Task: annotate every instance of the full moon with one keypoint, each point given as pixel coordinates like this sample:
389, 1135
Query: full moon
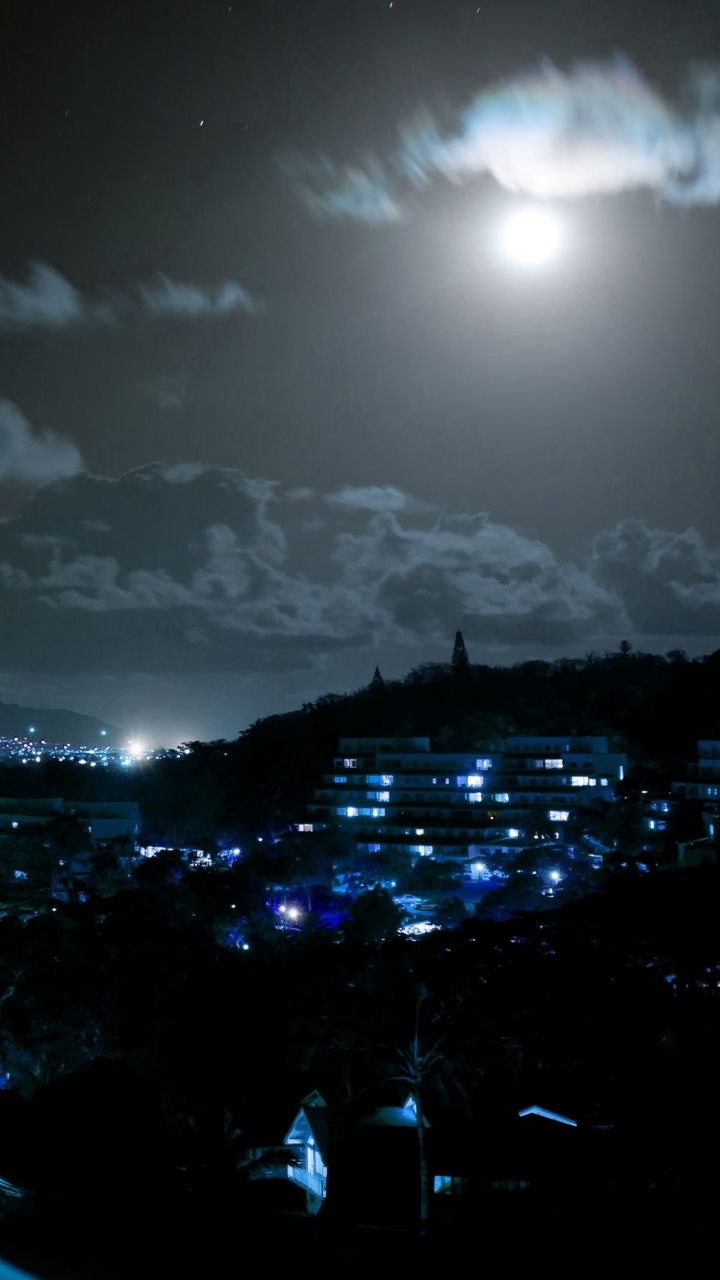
531, 238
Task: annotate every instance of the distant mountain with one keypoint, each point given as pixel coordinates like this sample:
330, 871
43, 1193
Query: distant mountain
57, 726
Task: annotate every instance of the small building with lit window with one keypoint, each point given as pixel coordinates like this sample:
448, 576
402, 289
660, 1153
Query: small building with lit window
702, 780
307, 1142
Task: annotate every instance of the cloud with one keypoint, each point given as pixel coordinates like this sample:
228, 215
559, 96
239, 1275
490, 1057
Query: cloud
45, 301
167, 390
597, 129
166, 297
665, 578
329, 191
200, 569
30, 456
48, 301
205, 580
372, 497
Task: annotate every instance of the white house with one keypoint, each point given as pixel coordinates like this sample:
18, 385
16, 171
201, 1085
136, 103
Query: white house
308, 1138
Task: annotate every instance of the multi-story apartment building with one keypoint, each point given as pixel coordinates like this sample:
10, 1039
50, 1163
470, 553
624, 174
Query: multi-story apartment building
703, 780
107, 822
395, 793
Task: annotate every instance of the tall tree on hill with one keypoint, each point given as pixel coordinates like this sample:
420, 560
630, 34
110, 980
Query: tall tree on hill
460, 660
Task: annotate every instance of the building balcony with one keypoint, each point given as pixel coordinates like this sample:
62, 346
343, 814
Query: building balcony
312, 1182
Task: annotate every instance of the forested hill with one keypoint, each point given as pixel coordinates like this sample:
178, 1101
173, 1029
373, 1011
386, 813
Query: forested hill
655, 708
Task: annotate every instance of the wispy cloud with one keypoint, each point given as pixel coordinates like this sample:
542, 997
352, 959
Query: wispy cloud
372, 497
30, 456
360, 193
167, 390
597, 129
166, 297
46, 300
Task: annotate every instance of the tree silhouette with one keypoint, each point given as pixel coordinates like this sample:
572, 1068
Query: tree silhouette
377, 681
460, 660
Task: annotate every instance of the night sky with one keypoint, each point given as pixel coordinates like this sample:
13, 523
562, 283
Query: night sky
275, 409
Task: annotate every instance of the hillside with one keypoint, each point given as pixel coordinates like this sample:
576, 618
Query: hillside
56, 726
652, 707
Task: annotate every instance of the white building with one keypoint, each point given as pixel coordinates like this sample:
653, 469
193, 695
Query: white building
395, 793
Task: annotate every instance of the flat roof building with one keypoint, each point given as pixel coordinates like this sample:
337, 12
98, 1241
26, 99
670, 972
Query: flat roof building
395, 793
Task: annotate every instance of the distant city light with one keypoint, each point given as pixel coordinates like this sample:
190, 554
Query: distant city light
555, 876
293, 913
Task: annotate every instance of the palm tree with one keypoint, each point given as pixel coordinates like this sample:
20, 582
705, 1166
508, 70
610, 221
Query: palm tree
416, 1065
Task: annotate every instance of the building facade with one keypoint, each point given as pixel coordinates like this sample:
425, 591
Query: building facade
703, 780
108, 823
398, 794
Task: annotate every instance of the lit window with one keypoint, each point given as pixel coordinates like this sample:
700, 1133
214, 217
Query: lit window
302, 826
419, 831
483, 764
374, 848
475, 780
539, 764
423, 849
579, 781
513, 833
378, 795
461, 782
340, 778
377, 813
553, 764
473, 797
350, 764
348, 813
501, 797
559, 815
621, 772
381, 779
604, 782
